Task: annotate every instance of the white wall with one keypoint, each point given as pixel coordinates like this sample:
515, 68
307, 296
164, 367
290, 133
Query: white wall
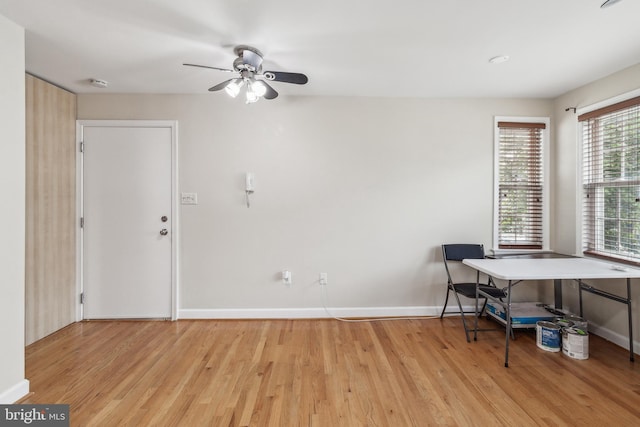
609, 317
365, 189
12, 187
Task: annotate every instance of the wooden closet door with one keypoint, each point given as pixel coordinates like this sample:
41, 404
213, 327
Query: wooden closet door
50, 279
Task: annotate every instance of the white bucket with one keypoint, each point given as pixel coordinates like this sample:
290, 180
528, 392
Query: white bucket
575, 343
548, 336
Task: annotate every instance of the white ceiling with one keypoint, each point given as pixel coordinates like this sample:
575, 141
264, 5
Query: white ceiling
413, 48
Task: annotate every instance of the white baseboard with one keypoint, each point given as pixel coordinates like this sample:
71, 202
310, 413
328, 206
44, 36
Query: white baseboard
14, 393
311, 313
614, 337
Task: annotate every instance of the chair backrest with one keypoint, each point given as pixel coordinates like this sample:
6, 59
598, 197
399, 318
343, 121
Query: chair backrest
460, 251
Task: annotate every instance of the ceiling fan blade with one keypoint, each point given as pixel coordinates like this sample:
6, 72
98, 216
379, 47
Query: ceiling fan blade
220, 86
280, 76
270, 93
211, 68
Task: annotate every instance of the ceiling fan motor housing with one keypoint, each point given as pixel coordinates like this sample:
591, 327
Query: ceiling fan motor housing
249, 58
239, 50
240, 65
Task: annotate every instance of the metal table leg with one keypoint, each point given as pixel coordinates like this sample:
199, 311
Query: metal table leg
580, 296
557, 293
631, 354
508, 326
475, 324
584, 287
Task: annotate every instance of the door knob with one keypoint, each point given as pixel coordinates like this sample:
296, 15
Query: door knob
164, 232
164, 219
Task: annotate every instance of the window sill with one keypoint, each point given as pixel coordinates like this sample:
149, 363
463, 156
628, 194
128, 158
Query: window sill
617, 260
519, 251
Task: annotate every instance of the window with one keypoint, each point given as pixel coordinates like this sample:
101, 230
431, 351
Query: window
611, 181
520, 183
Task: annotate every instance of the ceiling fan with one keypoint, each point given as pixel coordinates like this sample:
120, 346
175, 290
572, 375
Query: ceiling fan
249, 65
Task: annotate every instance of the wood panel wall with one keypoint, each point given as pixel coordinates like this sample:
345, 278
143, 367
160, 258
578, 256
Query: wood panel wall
50, 289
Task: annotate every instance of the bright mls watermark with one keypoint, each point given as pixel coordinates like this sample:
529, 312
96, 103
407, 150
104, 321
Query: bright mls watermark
34, 415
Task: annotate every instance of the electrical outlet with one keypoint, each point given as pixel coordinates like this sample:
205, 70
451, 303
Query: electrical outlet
323, 278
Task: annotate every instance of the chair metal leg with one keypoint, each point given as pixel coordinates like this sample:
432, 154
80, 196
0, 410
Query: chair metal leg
464, 322
446, 300
484, 306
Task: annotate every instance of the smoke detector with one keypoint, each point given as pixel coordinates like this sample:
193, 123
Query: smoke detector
102, 84
499, 59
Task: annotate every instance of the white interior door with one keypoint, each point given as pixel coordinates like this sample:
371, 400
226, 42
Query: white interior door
127, 213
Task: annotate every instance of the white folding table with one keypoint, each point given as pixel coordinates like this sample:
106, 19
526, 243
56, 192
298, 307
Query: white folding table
573, 268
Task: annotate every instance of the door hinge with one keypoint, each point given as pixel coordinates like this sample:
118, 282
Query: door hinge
81, 146
82, 298
81, 222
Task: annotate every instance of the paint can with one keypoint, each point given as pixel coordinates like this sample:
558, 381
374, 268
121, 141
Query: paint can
578, 322
563, 322
575, 343
548, 336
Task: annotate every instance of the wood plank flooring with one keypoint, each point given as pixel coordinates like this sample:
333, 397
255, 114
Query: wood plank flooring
324, 373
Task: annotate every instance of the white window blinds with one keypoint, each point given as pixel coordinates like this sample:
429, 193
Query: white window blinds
520, 185
611, 181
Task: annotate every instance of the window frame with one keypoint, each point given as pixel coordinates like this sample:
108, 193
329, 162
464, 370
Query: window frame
581, 246
545, 183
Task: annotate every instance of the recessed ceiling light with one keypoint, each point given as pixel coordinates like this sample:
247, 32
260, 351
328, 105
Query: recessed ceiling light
499, 59
609, 3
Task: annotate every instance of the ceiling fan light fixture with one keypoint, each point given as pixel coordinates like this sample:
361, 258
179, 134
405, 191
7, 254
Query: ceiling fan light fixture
251, 96
233, 88
258, 88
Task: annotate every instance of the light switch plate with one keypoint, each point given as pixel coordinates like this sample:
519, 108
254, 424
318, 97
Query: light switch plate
189, 198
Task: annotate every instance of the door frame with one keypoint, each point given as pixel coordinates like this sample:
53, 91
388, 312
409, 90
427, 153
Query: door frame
171, 124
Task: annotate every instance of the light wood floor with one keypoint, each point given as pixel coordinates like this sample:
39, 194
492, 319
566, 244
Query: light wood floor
324, 373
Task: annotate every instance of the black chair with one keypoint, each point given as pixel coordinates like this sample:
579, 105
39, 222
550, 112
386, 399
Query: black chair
456, 253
